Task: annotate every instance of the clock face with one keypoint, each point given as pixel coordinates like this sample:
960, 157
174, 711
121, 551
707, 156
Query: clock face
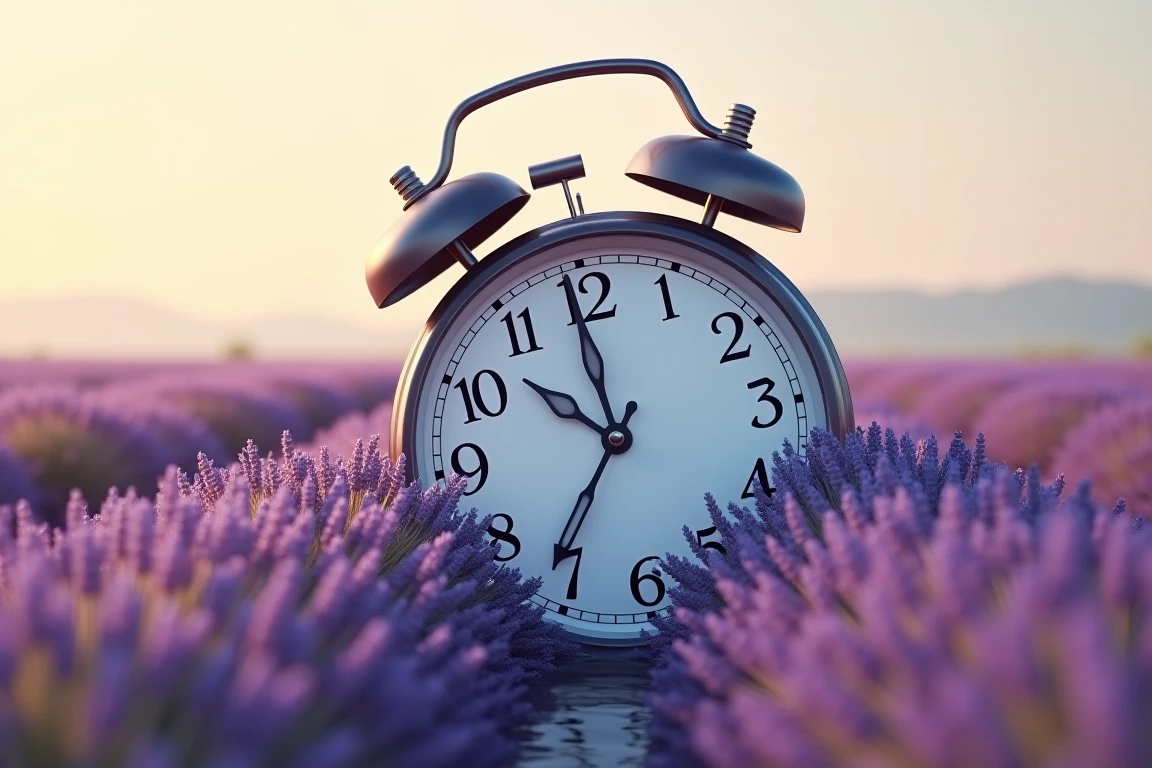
703, 376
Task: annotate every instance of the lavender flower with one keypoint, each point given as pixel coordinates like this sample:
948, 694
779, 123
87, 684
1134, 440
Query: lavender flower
343, 433
207, 628
180, 435
319, 402
1113, 449
15, 479
955, 403
943, 611
869, 411
68, 439
1027, 423
233, 409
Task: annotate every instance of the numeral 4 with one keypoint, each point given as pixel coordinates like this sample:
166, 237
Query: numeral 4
760, 475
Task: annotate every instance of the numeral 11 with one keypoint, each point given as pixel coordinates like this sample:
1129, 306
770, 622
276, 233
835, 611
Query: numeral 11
514, 337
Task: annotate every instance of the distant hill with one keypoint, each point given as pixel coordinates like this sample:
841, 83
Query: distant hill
1045, 315
1048, 314
107, 327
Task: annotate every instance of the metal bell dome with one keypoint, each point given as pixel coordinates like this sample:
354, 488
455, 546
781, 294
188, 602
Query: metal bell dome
438, 228
709, 170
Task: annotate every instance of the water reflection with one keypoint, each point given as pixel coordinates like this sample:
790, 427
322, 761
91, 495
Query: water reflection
594, 715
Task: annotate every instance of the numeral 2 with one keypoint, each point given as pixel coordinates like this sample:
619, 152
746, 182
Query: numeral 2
514, 337
478, 396
605, 286
503, 535
738, 324
767, 383
759, 474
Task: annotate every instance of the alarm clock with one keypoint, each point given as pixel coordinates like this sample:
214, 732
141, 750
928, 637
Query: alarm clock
592, 379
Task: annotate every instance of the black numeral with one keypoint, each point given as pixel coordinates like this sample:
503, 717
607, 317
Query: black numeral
478, 396
503, 535
481, 466
605, 286
574, 579
760, 474
663, 283
514, 337
654, 577
777, 407
700, 534
738, 323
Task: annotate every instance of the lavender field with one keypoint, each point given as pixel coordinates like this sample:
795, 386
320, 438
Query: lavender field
260, 587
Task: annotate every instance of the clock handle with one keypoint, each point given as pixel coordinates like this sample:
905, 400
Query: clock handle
555, 75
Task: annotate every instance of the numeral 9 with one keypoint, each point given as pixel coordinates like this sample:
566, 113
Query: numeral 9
481, 465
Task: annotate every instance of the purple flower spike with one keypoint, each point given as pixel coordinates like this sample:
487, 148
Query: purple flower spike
271, 619
943, 612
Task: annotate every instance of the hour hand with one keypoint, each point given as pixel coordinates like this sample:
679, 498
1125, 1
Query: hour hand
564, 406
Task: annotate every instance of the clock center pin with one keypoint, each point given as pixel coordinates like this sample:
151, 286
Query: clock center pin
616, 438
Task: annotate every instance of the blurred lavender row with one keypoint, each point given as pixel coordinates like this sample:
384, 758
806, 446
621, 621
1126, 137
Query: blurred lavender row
1080, 419
895, 604
94, 425
310, 611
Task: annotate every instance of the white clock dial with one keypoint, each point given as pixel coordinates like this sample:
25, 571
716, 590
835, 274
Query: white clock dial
719, 379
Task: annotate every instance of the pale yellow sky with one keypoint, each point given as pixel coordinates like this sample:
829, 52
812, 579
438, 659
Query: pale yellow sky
231, 159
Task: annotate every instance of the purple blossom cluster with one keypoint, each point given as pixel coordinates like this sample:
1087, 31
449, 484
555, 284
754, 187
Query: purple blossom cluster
346, 430
236, 410
68, 439
1028, 422
15, 479
1113, 448
891, 605
290, 611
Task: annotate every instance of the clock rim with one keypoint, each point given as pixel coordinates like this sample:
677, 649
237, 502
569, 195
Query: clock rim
830, 376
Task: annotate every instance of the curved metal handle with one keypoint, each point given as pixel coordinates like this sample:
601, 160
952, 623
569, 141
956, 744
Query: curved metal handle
555, 75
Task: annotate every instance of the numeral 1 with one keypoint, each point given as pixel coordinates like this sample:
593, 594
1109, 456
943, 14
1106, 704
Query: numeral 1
514, 337
759, 474
663, 283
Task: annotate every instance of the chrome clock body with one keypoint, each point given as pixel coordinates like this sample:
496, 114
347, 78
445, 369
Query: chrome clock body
720, 354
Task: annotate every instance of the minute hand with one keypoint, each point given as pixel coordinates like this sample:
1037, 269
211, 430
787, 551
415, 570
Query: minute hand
593, 362
561, 548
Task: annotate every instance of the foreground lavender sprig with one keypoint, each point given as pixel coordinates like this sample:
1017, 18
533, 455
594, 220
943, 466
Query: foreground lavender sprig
973, 621
226, 625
